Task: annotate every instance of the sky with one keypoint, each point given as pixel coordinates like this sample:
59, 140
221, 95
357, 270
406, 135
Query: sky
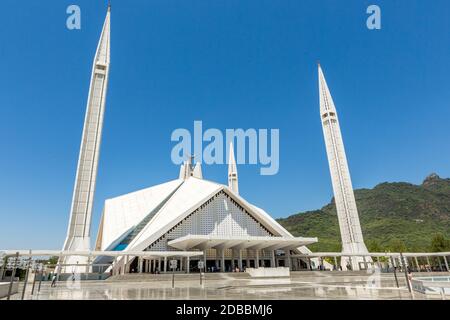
231, 64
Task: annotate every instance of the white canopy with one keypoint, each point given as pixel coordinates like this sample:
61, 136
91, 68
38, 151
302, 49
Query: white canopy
203, 242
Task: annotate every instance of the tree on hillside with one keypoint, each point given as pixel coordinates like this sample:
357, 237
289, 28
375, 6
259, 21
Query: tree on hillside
374, 246
439, 243
397, 245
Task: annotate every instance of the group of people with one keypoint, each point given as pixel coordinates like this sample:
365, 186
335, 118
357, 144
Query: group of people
54, 277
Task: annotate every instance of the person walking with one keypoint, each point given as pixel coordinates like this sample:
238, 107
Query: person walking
53, 281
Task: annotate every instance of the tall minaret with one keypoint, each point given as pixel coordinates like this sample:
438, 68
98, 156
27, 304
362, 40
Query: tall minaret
78, 233
233, 183
352, 238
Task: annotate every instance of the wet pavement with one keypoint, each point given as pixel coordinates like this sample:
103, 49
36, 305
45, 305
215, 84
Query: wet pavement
301, 285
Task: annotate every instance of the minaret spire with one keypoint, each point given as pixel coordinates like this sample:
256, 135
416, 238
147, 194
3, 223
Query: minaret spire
78, 233
350, 227
233, 183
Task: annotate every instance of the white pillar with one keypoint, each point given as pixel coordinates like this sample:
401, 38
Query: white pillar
240, 260
222, 263
446, 263
165, 264
248, 257
89, 263
217, 259
417, 264
204, 259
351, 262
287, 253
141, 264
187, 264
257, 259
440, 264
274, 265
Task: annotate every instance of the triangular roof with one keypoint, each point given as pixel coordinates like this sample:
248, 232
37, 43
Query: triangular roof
191, 194
172, 202
123, 213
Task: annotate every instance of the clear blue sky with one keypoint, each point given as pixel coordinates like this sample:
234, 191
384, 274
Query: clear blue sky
231, 64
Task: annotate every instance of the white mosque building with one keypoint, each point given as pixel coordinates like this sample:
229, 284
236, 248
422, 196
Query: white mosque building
172, 220
191, 219
193, 214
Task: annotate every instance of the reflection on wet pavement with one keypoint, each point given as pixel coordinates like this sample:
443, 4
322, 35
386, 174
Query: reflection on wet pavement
301, 285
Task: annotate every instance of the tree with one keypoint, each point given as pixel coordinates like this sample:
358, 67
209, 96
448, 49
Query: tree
53, 260
374, 246
439, 243
397, 245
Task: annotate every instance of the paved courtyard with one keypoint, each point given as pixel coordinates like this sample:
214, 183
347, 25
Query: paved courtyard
301, 285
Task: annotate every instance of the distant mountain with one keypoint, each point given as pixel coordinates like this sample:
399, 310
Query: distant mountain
393, 216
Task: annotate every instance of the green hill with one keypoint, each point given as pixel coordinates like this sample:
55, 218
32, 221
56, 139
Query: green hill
394, 216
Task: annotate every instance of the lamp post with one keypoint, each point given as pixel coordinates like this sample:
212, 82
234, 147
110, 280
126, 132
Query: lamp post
406, 272
40, 278
200, 267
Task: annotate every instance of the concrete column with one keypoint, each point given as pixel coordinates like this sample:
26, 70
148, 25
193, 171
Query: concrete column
351, 262
287, 253
440, 264
248, 258
122, 267
141, 264
88, 264
126, 269
446, 263
257, 259
222, 263
204, 259
217, 259
273, 259
187, 264
233, 255
335, 263
159, 265
392, 262
429, 264
58, 268
165, 264
240, 260
417, 264
365, 262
